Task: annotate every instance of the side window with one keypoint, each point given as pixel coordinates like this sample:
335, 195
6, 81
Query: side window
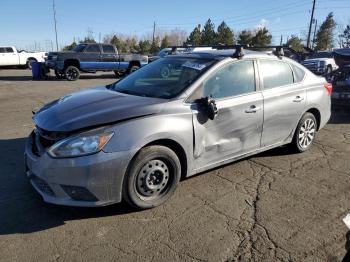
92, 49
298, 73
9, 50
2, 50
275, 73
231, 80
108, 49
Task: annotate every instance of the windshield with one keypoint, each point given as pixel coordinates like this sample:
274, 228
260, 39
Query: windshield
322, 55
79, 48
164, 78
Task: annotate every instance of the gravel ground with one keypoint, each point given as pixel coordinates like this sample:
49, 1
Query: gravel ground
275, 206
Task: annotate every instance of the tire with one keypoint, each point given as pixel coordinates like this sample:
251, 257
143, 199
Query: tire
59, 74
305, 133
29, 63
133, 69
71, 73
152, 177
119, 74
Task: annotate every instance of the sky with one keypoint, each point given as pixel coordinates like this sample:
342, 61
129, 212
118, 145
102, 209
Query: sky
29, 23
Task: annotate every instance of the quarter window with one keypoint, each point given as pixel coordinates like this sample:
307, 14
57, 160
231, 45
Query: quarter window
9, 50
275, 73
93, 49
298, 73
231, 80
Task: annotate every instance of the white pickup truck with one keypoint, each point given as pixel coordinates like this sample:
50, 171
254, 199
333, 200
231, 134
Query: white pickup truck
9, 56
321, 63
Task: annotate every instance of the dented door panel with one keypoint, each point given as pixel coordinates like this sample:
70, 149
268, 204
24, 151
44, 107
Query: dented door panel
235, 130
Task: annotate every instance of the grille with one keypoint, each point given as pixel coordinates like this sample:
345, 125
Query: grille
43, 186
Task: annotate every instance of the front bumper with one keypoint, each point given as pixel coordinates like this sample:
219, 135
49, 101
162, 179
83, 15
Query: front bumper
87, 181
56, 65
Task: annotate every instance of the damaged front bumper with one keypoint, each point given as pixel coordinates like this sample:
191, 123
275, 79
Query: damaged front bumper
87, 181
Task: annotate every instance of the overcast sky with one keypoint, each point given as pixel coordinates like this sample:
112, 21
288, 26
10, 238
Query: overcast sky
26, 23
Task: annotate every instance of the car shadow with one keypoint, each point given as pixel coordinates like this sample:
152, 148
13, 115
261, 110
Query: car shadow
23, 210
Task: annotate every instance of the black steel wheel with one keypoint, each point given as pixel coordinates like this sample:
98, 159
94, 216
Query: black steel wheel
71, 73
133, 69
152, 177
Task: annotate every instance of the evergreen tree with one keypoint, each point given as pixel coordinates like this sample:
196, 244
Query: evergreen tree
225, 35
345, 37
245, 37
208, 34
119, 43
195, 36
324, 37
155, 45
69, 47
295, 43
165, 42
145, 46
262, 37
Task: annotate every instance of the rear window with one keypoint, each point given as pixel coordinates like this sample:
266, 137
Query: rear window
298, 73
108, 49
2, 50
275, 73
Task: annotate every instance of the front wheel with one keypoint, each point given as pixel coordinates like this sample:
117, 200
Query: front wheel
59, 74
71, 73
305, 133
152, 177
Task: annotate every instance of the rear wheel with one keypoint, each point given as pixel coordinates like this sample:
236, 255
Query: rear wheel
71, 73
305, 133
151, 177
133, 69
29, 63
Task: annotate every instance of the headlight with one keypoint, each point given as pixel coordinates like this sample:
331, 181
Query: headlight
84, 144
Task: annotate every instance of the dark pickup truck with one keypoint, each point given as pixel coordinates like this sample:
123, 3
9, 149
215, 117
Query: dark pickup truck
91, 58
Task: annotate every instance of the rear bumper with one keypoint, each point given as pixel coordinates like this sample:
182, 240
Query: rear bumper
87, 181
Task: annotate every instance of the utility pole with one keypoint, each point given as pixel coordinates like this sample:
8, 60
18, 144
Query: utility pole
313, 41
55, 21
154, 31
281, 40
311, 19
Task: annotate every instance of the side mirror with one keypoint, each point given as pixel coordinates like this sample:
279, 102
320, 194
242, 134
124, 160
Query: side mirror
209, 107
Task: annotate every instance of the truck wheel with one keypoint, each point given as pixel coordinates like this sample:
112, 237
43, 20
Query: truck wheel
29, 63
152, 177
133, 69
71, 73
59, 74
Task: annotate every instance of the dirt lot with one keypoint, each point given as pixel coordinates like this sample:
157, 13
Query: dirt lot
275, 206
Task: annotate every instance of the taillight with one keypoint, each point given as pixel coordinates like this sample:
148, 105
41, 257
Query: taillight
328, 87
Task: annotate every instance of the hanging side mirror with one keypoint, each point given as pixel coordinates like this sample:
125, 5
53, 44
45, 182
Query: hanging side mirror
209, 106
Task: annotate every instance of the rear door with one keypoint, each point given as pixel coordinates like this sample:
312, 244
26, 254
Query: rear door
284, 100
109, 58
12, 56
237, 128
91, 58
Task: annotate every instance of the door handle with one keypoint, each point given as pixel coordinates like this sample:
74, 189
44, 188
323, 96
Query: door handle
253, 109
298, 99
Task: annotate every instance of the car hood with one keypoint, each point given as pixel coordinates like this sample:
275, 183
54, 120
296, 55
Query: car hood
93, 107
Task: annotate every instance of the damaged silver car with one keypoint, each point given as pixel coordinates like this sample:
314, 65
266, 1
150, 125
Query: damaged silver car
135, 139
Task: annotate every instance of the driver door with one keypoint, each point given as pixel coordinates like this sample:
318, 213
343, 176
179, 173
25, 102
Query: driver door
237, 128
